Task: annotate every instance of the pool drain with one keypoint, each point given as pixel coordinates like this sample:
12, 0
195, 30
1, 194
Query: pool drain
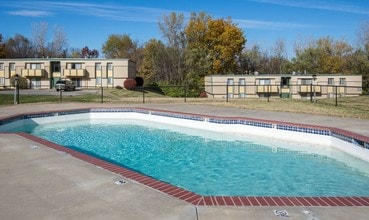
281, 213
120, 182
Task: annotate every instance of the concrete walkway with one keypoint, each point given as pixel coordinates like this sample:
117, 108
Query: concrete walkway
37, 182
359, 126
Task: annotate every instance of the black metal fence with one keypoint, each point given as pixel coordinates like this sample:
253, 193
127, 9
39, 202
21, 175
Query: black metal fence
309, 91
180, 93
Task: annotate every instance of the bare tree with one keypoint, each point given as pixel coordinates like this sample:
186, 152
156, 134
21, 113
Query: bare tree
363, 37
58, 47
173, 30
278, 57
40, 38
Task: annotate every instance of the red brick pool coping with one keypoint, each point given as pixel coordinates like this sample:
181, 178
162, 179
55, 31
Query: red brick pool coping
199, 200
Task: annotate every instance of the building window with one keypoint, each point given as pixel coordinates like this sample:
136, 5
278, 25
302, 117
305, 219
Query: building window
55, 66
1, 66
306, 81
342, 81
264, 81
110, 80
11, 66
97, 66
98, 80
74, 66
110, 66
2, 80
35, 83
35, 66
330, 81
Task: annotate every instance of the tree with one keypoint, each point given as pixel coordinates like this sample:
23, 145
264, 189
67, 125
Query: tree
172, 28
361, 55
324, 55
154, 68
74, 53
119, 46
87, 53
122, 46
2, 47
58, 46
254, 60
363, 37
278, 58
198, 59
218, 41
40, 38
19, 47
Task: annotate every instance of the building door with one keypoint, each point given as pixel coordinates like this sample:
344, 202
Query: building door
55, 73
35, 83
242, 88
77, 82
230, 87
285, 87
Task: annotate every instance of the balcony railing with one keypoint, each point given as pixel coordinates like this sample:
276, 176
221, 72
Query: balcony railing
309, 88
75, 72
267, 89
33, 72
332, 89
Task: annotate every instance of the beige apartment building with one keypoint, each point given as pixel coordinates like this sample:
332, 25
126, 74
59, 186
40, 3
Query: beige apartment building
43, 73
283, 86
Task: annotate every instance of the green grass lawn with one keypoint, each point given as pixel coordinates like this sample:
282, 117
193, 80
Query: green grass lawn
354, 107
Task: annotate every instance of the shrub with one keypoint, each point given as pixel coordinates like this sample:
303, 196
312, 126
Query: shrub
22, 82
203, 94
129, 84
154, 87
139, 81
119, 87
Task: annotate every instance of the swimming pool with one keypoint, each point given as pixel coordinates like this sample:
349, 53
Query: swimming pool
209, 163
350, 143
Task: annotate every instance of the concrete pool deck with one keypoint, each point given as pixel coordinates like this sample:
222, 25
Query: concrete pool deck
37, 182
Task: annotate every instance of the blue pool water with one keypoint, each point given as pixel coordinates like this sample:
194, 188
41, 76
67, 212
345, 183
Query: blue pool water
211, 166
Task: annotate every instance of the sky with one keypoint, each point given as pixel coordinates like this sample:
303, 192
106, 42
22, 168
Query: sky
90, 22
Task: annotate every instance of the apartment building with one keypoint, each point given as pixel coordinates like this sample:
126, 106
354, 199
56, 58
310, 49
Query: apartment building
43, 73
283, 86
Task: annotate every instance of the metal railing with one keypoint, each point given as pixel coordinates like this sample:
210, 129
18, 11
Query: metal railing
181, 93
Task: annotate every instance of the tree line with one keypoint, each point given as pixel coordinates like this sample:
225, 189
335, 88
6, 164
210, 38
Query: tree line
203, 45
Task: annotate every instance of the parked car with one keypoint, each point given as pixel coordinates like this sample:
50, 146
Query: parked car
65, 84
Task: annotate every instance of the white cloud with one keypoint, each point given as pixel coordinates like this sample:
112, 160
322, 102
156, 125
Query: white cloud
329, 5
30, 13
105, 10
271, 25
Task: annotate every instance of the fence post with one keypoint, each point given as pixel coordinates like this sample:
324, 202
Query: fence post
18, 93
185, 92
336, 95
268, 94
143, 94
311, 92
102, 94
227, 92
60, 95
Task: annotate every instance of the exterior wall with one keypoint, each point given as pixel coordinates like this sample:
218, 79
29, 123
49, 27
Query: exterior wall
43, 73
285, 86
